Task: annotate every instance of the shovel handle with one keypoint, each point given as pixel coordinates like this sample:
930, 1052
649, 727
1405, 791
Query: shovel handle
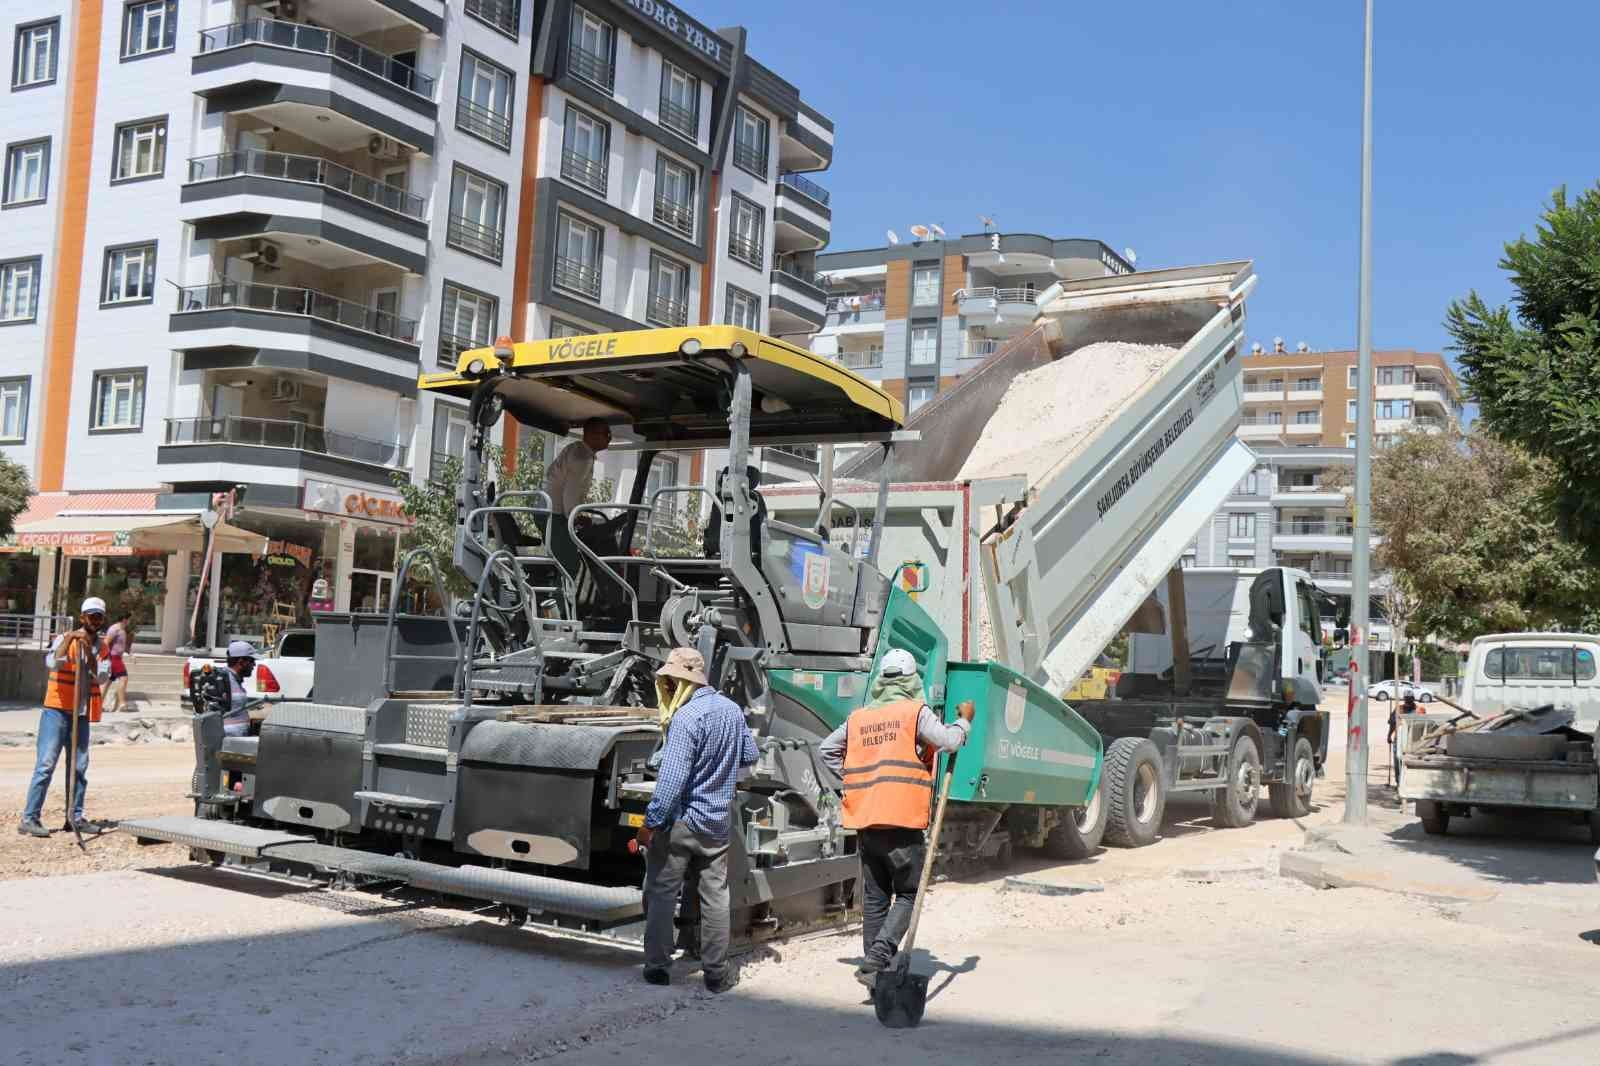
927, 862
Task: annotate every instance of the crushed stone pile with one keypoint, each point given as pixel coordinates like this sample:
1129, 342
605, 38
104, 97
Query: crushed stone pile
1048, 414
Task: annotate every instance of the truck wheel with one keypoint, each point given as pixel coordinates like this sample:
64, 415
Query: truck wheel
1135, 796
1435, 819
1292, 799
1234, 806
1077, 835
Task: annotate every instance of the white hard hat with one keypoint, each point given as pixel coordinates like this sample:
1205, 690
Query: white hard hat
93, 605
897, 662
241, 649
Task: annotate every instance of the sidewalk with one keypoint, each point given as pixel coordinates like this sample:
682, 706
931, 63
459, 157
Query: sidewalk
148, 723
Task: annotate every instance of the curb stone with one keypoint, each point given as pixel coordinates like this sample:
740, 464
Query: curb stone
1050, 888
1329, 871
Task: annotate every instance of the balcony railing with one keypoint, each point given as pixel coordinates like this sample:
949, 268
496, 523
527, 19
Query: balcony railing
475, 237
750, 157
583, 170
480, 121
1005, 296
665, 311
1307, 386
1314, 528
310, 169
1428, 422
866, 359
982, 349
305, 38
747, 249
1315, 486
1259, 421
1251, 387
503, 15
451, 345
806, 281
866, 301
592, 67
675, 216
282, 433
577, 276
679, 119
806, 187
290, 300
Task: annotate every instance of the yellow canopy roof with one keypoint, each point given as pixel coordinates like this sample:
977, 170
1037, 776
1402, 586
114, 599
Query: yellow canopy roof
671, 387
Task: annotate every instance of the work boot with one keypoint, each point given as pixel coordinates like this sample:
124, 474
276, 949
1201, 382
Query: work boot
86, 825
30, 827
721, 983
654, 976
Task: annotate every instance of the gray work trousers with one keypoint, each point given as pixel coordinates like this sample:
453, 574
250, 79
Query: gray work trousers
672, 855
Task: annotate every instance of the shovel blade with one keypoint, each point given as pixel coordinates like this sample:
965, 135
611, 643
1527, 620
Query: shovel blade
899, 997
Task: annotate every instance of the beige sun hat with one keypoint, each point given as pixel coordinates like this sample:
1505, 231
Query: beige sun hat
685, 664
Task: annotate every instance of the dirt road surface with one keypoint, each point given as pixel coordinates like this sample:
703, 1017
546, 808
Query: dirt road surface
173, 962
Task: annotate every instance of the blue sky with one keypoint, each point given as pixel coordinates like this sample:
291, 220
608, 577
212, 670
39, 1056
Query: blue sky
1194, 132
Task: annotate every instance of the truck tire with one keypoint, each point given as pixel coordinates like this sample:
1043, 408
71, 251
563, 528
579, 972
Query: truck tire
1234, 806
1077, 835
1135, 794
1435, 819
1292, 799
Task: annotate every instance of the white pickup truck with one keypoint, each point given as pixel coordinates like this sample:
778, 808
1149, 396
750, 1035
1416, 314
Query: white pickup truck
285, 674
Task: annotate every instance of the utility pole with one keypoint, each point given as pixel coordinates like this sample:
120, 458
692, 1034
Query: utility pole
1355, 804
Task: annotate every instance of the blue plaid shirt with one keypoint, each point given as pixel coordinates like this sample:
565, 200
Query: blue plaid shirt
707, 745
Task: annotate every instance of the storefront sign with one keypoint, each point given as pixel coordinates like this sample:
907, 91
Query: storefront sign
685, 29
330, 498
288, 553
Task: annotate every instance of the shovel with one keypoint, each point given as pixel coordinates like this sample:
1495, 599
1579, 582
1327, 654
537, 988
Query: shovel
899, 996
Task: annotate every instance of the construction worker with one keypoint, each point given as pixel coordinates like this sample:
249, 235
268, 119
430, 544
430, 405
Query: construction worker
884, 753
687, 825
568, 481
55, 721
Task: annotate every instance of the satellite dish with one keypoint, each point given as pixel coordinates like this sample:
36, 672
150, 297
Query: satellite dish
1130, 255
988, 223
938, 230
894, 238
920, 232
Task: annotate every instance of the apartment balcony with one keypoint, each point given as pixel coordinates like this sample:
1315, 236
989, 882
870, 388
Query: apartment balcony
1302, 429
503, 15
298, 202
213, 448
1313, 535
1430, 424
1252, 428
1395, 392
858, 313
298, 69
1257, 393
990, 307
801, 218
1316, 495
1299, 393
861, 359
976, 348
805, 142
797, 305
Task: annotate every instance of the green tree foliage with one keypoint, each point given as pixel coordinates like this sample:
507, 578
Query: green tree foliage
1535, 375
15, 491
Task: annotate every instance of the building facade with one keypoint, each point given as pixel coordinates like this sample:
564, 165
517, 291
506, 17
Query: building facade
914, 317
237, 231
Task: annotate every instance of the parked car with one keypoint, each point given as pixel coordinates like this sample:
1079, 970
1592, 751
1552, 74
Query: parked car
1396, 690
283, 674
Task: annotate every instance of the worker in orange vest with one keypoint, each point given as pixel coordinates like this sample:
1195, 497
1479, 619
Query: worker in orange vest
884, 753
55, 721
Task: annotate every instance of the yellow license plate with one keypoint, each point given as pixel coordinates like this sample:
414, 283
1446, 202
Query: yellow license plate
633, 821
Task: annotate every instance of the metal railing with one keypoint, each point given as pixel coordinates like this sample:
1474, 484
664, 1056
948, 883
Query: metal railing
503, 15
746, 249
1250, 387
472, 236
451, 345
1298, 426
305, 38
679, 119
665, 311
284, 433
483, 122
310, 169
1428, 422
674, 215
1261, 421
750, 157
1315, 486
592, 173
805, 186
866, 359
37, 631
593, 68
803, 281
1307, 386
291, 300
866, 301
577, 276
981, 349
1005, 296
1314, 528
1430, 386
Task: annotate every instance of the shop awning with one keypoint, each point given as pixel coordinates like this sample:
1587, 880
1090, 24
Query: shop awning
102, 534
41, 506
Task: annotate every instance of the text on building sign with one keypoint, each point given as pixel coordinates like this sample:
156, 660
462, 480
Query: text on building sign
681, 27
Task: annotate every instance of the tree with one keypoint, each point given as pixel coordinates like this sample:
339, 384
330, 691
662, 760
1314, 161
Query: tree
1470, 540
1536, 376
15, 491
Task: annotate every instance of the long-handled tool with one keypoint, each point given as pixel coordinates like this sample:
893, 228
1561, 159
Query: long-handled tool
80, 705
899, 996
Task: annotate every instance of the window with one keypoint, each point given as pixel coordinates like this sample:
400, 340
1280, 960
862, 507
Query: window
750, 135
130, 275
1305, 418
1307, 384
27, 176
451, 428
585, 151
14, 410
118, 400
669, 292
467, 321
1408, 375
1394, 408
483, 107
745, 234
917, 395
592, 49
1241, 524
924, 345
501, 14
1349, 440
1534, 663
1251, 484
141, 150
1350, 412
1241, 562
559, 328
680, 101
578, 249
149, 28
663, 475
1350, 378
477, 214
1274, 418
33, 61
19, 290
742, 309
674, 195
925, 286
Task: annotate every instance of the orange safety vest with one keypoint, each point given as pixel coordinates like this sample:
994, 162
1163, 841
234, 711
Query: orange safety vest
61, 687
886, 782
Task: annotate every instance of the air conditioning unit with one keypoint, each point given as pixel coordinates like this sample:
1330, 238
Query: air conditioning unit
381, 147
285, 390
263, 254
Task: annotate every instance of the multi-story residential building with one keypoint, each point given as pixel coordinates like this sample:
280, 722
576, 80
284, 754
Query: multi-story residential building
236, 232
914, 317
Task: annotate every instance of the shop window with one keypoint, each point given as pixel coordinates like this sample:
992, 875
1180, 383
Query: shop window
372, 570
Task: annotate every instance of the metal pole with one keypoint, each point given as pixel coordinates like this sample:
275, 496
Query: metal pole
1355, 805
